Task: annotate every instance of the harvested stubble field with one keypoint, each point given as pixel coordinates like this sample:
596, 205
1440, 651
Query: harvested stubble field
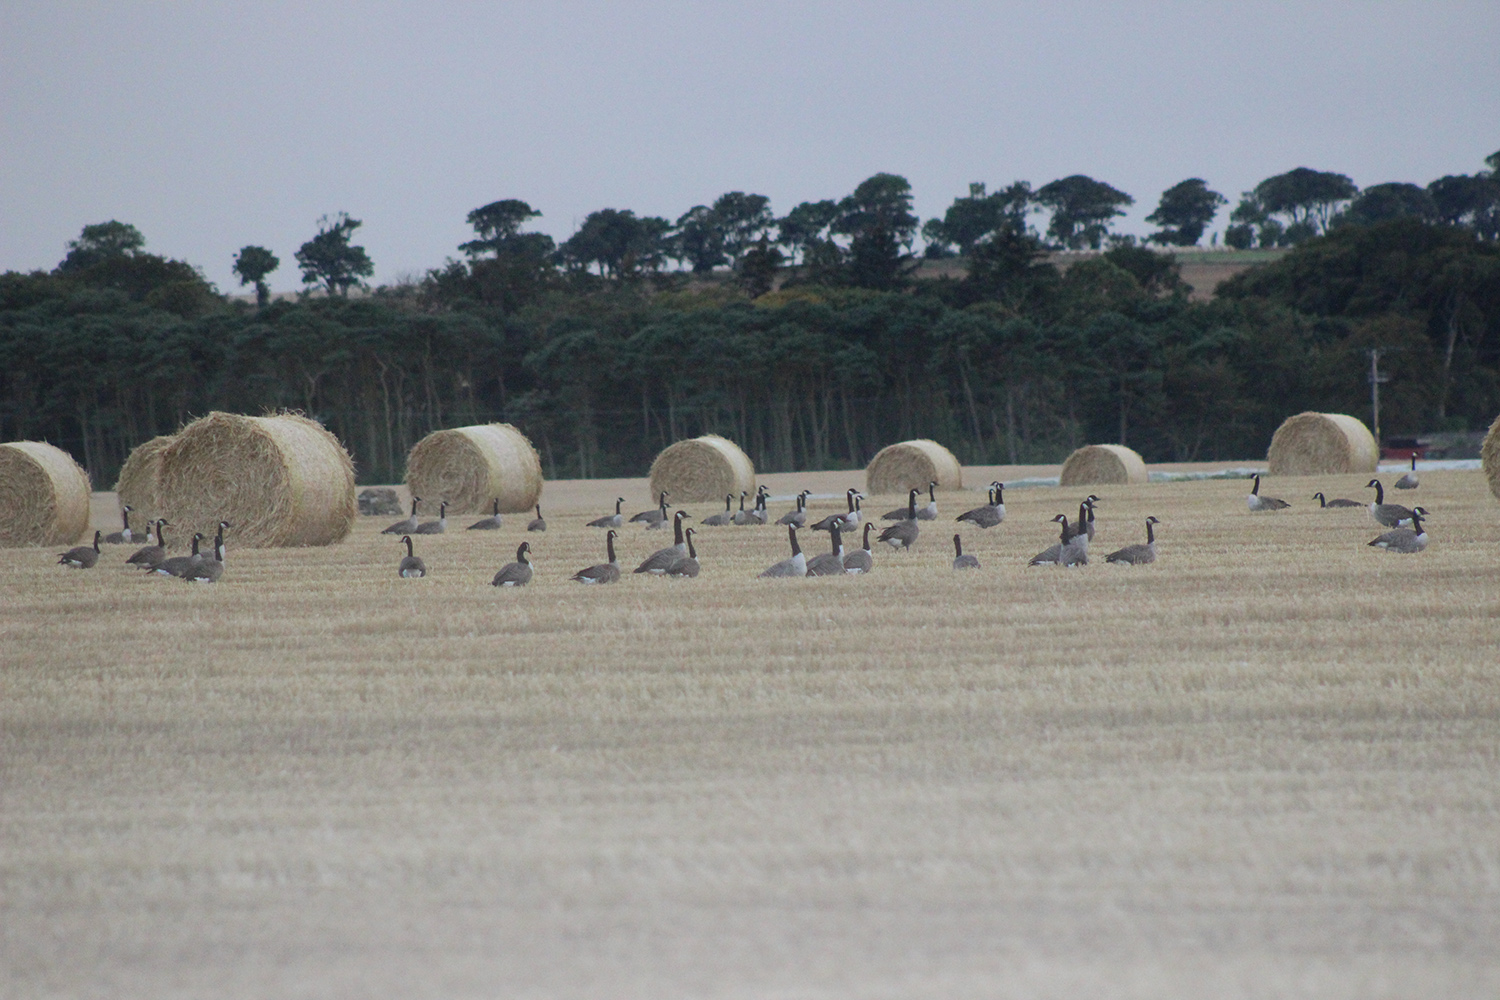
1267, 765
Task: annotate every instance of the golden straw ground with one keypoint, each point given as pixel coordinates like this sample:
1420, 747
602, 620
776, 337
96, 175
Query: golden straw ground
470, 467
1264, 766
702, 468
44, 495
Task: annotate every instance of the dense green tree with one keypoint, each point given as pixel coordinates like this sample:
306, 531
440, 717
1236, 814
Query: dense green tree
331, 260
970, 219
1185, 210
743, 220
1289, 208
618, 243
496, 226
878, 218
1010, 268
699, 240
252, 264
1081, 210
758, 267
806, 226
1388, 201
99, 242
1158, 274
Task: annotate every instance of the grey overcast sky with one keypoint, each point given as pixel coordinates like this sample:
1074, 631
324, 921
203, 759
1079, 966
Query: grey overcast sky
214, 125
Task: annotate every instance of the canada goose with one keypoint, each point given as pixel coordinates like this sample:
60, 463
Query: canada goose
1325, 502
614, 520
688, 565
1392, 515
518, 573
798, 516
1085, 525
208, 570
861, 560
759, 514
1406, 540
149, 557
829, 563
742, 516
661, 560
1076, 550
720, 520
491, 523
605, 572
1053, 554
82, 556
537, 523
124, 535
991, 513
654, 517
927, 513
902, 534
1137, 555
1258, 502
1406, 482
411, 566
843, 520
407, 526
795, 566
180, 565
435, 527
961, 561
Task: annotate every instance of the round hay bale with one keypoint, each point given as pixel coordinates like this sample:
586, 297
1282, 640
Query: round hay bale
1103, 464
44, 495
138, 484
702, 468
1489, 456
909, 465
1315, 444
471, 466
281, 480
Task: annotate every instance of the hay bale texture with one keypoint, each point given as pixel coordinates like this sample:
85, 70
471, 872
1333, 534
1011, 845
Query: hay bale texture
280, 480
44, 495
1104, 465
702, 468
1489, 456
471, 466
1316, 444
140, 478
908, 465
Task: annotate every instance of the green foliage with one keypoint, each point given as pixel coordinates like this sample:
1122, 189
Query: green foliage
1380, 202
331, 260
618, 243
252, 264
1081, 210
497, 226
879, 221
974, 218
1185, 210
101, 242
1289, 208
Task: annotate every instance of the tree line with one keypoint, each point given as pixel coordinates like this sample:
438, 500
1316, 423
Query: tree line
809, 339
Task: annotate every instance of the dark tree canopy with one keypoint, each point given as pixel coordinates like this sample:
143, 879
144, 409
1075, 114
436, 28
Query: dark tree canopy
806, 225
102, 241
331, 260
1379, 202
496, 224
879, 221
1308, 199
699, 241
971, 219
618, 243
1185, 210
1081, 210
252, 264
742, 220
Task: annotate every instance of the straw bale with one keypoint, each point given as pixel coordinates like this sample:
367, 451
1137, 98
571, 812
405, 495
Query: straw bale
1315, 444
138, 484
702, 468
1103, 465
44, 495
471, 466
908, 465
1489, 456
280, 480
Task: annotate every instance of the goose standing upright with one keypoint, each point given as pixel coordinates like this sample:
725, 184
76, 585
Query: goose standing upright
1075, 552
81, 556
721, 519
124, 535
605, 572
759, 515
742, 516
1258, 502
687, 566
829, 563
661, 560
491, 523
1325, 502
798, 516
1406, 482
1137, 555
518, 573
961, 561
437, 527
1085, 525
537, 523
411, 566
615, 520
1392, 515
1053, 554
861, 560
1405, 540
795, 566
151, 556
903, 534
407, 526
990, 514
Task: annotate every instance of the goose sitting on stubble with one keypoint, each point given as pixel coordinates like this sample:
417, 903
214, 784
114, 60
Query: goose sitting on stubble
661, 560
615, 520
491, 523
725, 517
1340, 502
903, 534
1053, 554
1406, 482
407, 526
1258, 502
210, 568
605, 572
990, 514
759, 514
518, 573
798, 516
829, 563
655, 517
81, 556
842, 519
1405, 540
861, 560
1392, 515
180, 565
124, 535
437, 527
927, 513
687, 566
1137, 555
537, 523
412, 566
961, 561
151, 556
795, 566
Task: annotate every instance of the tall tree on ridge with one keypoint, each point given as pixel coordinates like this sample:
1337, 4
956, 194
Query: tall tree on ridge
252, 264
329, 258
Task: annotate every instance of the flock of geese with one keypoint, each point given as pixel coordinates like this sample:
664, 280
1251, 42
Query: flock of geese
680, 559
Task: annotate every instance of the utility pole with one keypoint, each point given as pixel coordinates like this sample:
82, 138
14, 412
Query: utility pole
1375, 379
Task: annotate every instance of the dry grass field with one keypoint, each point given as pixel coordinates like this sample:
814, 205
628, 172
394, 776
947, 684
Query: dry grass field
1266, 766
